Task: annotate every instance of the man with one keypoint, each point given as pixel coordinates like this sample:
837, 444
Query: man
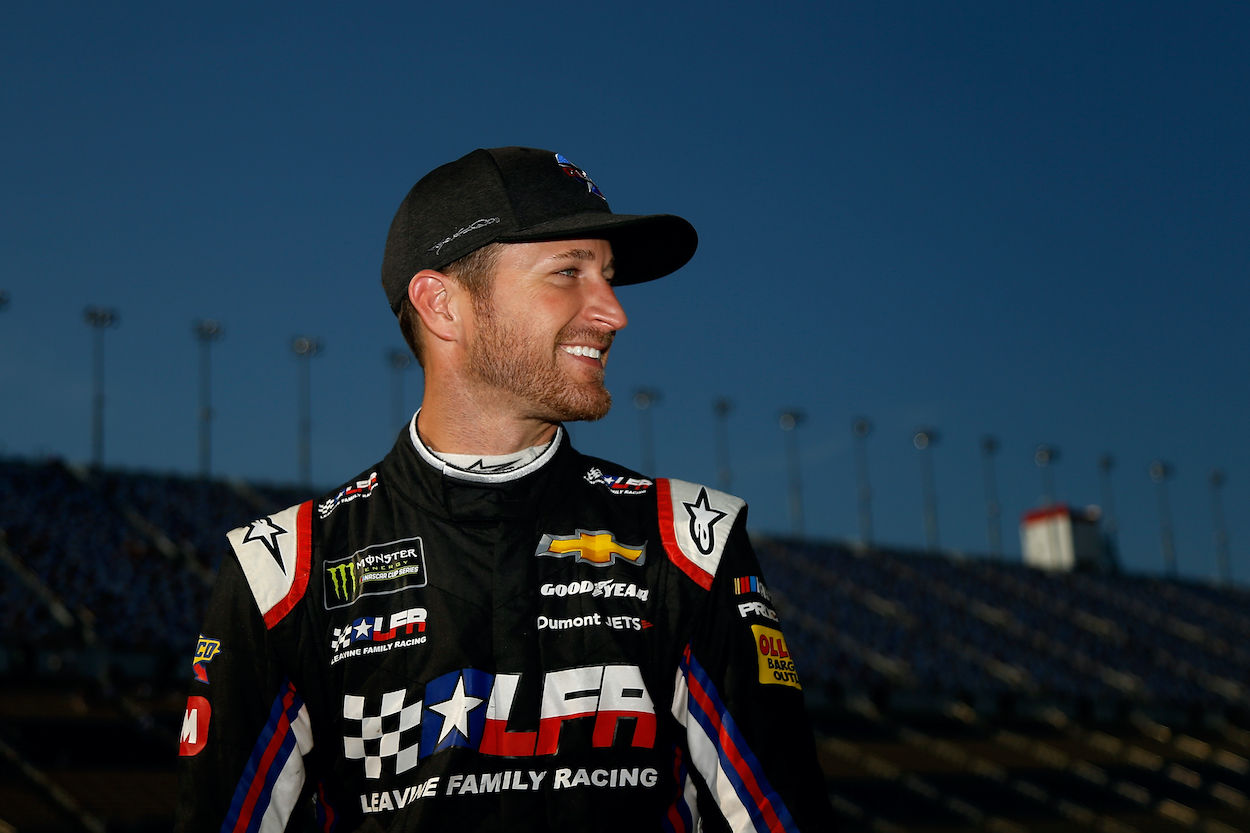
488, 630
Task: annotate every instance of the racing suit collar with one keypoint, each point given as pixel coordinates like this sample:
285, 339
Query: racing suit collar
483, 473
466, 496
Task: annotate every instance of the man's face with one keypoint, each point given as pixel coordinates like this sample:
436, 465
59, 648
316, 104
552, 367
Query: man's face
542, 336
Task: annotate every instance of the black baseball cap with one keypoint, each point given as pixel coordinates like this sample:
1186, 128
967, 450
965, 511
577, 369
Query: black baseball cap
522, 195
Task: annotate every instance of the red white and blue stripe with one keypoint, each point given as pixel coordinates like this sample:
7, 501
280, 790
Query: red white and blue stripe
682, 815
721, 755
327, 819
274, 775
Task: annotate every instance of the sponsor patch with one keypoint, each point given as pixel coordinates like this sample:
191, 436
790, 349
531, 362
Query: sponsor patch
374, 571
597, 547
377, 639
593, 620
618, 484
205, 650
756, 609
751, 584
574, 172
471, 709
776, 665
194, 726
359, 489
508, 780
597, 589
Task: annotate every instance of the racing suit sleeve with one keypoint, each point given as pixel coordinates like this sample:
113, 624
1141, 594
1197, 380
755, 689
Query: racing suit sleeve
752, 757
246, 729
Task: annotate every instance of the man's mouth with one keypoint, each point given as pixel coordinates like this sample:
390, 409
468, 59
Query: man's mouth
581, 350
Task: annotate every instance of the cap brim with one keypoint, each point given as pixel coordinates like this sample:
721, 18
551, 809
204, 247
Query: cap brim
645, 247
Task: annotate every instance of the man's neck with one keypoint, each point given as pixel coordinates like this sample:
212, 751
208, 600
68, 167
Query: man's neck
452, 430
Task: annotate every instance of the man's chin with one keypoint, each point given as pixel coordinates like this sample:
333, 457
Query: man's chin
589, 408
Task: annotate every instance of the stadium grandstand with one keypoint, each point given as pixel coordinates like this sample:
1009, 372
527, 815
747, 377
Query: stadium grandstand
949, 693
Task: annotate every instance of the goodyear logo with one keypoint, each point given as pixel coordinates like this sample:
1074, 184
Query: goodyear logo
376, 570
598, 547
205, 650
776, 665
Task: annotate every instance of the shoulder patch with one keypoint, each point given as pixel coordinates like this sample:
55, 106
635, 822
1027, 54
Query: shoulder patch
694, 525
275, 554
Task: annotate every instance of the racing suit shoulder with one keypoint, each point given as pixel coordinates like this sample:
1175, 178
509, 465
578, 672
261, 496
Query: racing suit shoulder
695, 522
275, 554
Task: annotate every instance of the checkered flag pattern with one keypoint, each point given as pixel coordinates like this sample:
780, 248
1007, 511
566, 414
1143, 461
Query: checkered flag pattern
381, 737
342, 638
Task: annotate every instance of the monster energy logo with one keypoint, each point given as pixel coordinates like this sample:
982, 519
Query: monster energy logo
343, 576
375, 571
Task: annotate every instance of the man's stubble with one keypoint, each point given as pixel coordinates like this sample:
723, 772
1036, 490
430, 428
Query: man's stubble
506, 359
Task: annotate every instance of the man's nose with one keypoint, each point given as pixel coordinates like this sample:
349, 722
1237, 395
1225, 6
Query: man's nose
604, 309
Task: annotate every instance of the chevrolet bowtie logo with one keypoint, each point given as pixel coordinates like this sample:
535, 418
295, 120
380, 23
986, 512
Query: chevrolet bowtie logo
598, 548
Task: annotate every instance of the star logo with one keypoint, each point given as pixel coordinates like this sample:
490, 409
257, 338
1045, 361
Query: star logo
267, 532
702, 518
455, 711
598, 548
364, 629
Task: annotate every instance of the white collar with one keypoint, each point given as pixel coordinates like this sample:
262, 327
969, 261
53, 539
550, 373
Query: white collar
486, 468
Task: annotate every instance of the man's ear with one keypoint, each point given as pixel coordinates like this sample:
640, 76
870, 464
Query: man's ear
436, 299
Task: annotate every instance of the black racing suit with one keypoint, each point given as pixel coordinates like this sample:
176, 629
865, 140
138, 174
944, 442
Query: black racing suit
564, 647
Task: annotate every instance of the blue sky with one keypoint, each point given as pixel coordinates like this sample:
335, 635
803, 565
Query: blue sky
987, 218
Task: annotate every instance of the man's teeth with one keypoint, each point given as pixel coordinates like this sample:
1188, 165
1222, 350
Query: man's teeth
588, 352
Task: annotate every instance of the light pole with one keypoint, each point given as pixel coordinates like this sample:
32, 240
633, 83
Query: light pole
924, 440
399, 361
724, 477
1111, 524
1161, 473
644, 399
305, 349
98, 319
860, 429
1216, 479
4, 301
993, 512
206, 331
1044, 457
790, 420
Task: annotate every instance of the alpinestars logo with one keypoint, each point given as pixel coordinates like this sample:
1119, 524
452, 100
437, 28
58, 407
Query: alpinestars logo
702, 518
267, 532
471, 709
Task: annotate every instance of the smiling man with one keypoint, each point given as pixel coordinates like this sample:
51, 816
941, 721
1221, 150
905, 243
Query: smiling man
488, 630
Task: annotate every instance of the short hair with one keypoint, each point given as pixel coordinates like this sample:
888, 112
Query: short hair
475, 272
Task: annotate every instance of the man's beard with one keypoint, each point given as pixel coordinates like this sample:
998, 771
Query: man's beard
508, 360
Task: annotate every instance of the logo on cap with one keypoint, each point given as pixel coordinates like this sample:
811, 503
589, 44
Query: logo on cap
574, 172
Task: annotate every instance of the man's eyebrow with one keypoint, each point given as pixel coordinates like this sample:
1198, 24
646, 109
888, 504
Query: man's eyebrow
575, 254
